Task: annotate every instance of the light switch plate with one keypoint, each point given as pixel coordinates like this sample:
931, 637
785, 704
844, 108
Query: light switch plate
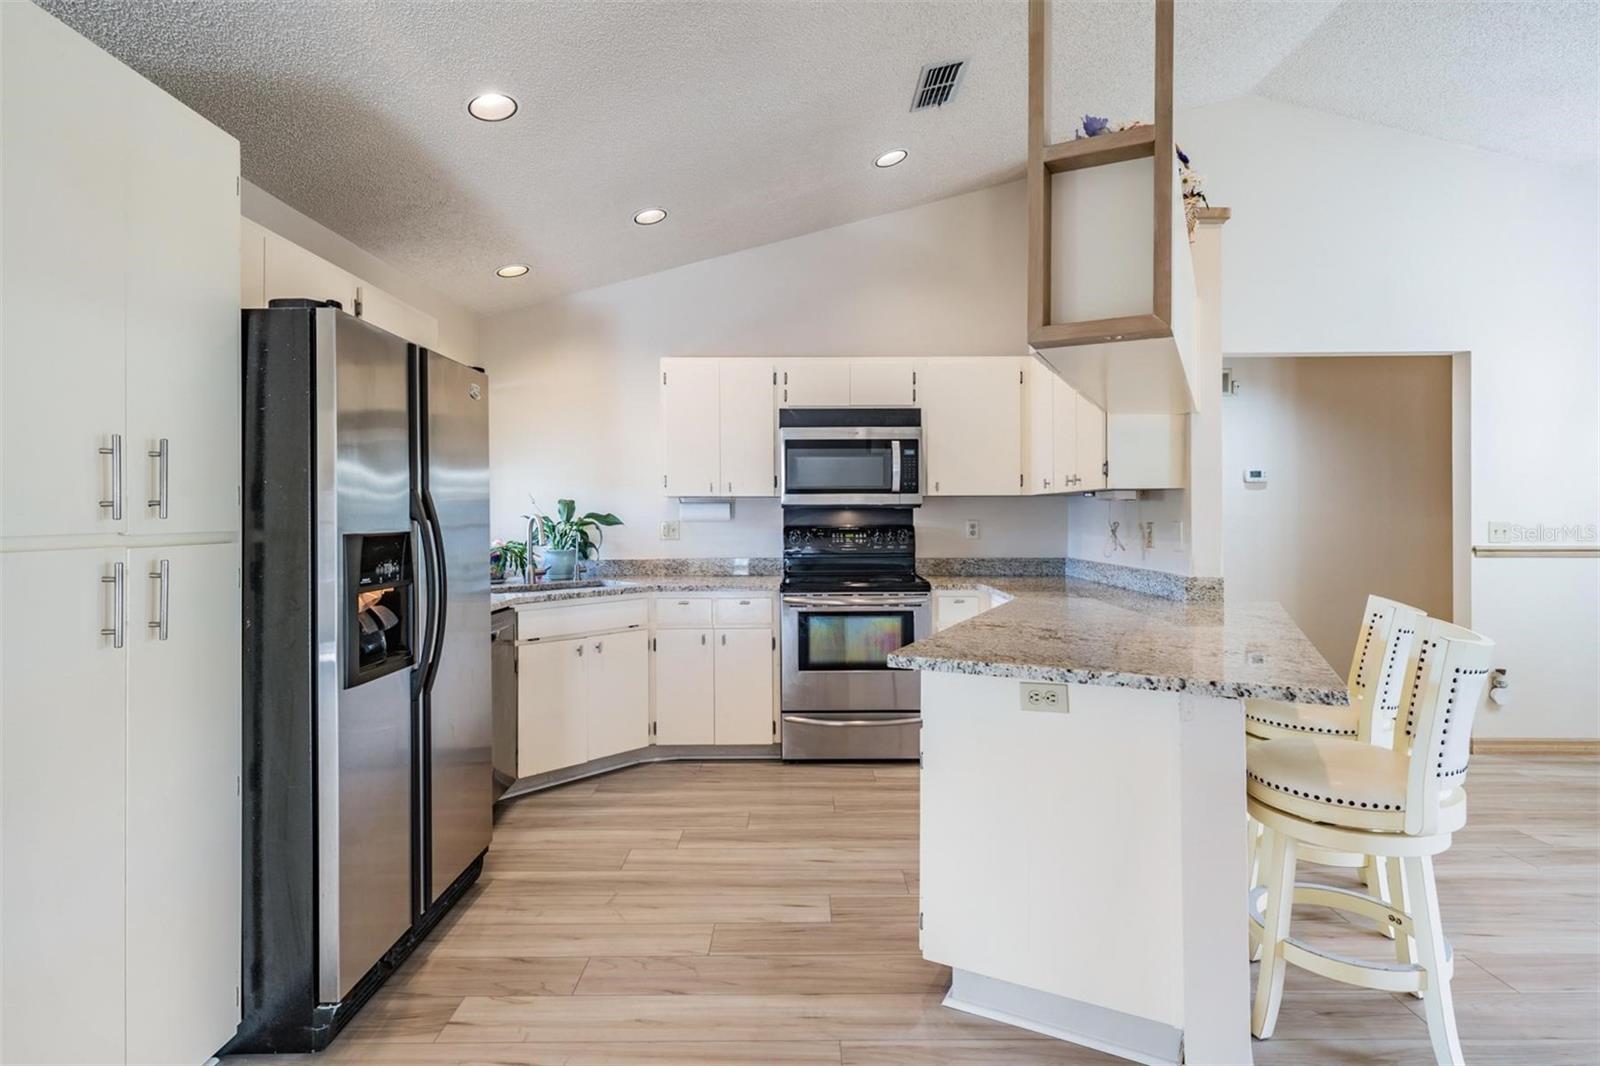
1044, 696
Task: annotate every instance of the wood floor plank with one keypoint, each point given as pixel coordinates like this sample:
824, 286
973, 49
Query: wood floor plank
492, 940
633, 907
857, 908
732, 975
494, 976
1020, 1051
662, 881
692, 1018
706, 1053
896, 857
879, 936
394, 1015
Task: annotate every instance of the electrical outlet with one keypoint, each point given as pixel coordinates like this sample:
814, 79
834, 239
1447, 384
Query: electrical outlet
669, 531
1149, 531
1043, 696
973, 532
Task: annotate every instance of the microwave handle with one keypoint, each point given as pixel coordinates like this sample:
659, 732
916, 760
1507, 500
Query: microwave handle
894, 466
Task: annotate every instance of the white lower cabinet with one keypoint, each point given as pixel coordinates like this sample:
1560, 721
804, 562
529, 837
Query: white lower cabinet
619, 693
744, 686
119, 804
552, 696
685, 686
952, 607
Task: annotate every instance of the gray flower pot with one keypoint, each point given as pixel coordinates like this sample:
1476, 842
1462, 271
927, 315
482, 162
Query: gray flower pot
562, 564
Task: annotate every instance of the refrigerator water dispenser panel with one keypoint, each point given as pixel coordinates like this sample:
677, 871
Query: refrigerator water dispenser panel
378, 621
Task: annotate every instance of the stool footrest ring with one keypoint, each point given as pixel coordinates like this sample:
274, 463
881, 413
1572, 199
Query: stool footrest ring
1383, 976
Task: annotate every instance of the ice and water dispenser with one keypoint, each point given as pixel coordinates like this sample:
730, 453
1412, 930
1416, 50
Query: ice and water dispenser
378, 606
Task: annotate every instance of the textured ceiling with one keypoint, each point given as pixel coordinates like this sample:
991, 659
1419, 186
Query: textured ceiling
755, 121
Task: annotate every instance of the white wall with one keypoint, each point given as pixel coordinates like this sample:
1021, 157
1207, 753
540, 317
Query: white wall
574, 387
1349, 237
458, 327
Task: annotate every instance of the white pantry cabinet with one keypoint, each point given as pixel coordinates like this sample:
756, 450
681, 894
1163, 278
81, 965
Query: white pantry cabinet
119, 788
685, 686
813, 382
971, 419
718, 427
744, 686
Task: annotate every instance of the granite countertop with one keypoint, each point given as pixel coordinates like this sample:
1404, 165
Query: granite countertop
1054, 629
631, 586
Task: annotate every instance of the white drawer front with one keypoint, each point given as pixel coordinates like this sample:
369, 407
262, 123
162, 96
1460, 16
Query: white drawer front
953, 607
545, 622
683, 611
755, 610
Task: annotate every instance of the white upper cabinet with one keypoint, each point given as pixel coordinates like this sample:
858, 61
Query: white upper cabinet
1090, 454
396, 316
883, 382
65, 239
1147, 451
1038, 429
181, 459
1064, 407
690, 431
292, 273
718, 427
747, 428
814, 382
971, 414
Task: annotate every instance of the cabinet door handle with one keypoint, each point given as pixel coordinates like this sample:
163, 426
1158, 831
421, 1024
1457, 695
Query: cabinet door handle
160, 502
580, 650
702, 639
724, 640
935, 486
161, 575
115, 503
730, 488
599, 646
116, 631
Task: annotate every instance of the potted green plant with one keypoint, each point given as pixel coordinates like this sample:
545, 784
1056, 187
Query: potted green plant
567, 537
507, 557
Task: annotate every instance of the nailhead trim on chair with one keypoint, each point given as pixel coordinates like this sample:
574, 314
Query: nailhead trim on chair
1325, 799
1299, 727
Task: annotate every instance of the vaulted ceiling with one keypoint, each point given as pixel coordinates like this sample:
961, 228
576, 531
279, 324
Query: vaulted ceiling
758, 120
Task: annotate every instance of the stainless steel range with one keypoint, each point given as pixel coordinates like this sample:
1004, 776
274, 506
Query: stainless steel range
851, 596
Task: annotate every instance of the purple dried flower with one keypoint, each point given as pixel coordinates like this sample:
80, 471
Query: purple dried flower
1181, 157
1094, 125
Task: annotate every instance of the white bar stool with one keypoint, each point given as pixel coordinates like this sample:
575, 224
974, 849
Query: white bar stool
1402, 805
1377, 673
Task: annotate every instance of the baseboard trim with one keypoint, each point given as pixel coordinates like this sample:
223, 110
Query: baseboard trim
638, 757
1536, 746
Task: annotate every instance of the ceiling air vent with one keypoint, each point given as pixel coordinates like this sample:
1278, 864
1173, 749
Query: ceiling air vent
937, 84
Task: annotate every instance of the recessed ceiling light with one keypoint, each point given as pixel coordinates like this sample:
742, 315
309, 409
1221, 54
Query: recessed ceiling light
890, 158
492, 107
650, 216
513, 270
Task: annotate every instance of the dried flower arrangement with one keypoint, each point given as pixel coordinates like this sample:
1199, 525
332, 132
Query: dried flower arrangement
1194, 194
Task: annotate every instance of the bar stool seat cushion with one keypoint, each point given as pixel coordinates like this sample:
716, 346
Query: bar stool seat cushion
1332, 781
1312, 719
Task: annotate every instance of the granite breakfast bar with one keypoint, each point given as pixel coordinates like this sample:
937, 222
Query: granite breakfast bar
1082, 810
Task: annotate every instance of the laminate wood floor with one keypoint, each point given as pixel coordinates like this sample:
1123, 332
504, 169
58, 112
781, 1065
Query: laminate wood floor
716, 913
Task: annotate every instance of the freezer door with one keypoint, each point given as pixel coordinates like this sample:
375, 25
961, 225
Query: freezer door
363, 728
458, 708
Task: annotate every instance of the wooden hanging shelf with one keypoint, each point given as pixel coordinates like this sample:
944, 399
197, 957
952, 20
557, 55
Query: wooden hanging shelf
1118, 147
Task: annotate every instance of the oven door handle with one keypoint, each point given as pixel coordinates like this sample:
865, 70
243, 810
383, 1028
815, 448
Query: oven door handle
842, 722
863, 605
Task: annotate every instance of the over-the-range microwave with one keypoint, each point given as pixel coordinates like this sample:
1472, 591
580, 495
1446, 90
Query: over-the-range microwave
850, 456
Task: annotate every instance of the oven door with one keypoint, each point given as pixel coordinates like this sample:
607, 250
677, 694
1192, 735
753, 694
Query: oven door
836, 650
849, 467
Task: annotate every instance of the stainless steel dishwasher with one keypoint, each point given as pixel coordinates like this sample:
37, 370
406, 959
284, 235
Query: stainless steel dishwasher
503, 685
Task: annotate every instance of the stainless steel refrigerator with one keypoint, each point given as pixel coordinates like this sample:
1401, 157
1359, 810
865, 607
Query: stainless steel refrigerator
368, 782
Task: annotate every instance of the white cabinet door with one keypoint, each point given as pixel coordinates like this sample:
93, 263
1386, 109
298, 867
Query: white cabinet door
182, 447
252, 264
1064, 402
684, 686
1091, 445
292, 273
690, 427
748, 436
552, 693
882, 382
398, 317
1038, 431
619, 693
744, 686
814, 382
183, 818
66, 131
972, 426
63, 698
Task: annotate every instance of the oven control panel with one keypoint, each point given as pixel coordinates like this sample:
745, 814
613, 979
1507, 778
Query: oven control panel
849, 540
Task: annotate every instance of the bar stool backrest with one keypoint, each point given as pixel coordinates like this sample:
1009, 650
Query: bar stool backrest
1447, 682
1378, 668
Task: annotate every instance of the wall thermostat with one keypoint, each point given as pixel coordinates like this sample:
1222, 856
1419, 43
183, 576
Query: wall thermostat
1254, 475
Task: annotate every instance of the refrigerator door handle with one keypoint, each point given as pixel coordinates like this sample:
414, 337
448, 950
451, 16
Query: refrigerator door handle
438, 589
427, 638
